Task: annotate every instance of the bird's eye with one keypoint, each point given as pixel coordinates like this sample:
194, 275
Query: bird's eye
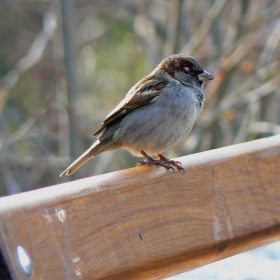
191, 71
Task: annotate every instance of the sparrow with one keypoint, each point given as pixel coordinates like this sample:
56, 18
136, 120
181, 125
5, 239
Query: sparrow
156, 114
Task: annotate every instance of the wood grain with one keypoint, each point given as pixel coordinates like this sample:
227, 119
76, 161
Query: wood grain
146, 222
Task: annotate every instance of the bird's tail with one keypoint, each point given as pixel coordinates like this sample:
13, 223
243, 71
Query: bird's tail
95, 149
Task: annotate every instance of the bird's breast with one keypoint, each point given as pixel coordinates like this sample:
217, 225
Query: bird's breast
158, 126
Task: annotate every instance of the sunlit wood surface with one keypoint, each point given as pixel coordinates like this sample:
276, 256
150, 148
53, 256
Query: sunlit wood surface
146, 222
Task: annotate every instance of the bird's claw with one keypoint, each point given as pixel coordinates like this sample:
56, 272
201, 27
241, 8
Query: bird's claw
168, 161
161, 161
156, 162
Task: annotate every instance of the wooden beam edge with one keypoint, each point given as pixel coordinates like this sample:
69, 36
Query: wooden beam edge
96, 183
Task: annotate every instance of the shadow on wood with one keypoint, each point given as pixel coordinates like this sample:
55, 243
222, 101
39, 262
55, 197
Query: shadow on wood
146, 222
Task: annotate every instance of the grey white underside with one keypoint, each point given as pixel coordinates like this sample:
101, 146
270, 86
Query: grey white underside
146, 129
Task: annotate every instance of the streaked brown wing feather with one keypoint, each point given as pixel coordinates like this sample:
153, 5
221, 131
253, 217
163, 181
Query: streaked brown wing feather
141, 94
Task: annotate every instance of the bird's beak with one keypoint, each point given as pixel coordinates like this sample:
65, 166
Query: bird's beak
205, 76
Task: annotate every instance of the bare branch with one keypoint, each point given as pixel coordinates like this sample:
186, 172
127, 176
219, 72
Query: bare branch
202, 31
241, 100
270, 46
172, 27
33, 57
265, 127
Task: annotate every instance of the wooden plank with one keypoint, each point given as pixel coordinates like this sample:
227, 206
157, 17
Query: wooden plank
146, 222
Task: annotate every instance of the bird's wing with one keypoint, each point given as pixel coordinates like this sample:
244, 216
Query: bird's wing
144, 92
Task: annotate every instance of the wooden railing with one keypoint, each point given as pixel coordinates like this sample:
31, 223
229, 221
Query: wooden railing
146, 222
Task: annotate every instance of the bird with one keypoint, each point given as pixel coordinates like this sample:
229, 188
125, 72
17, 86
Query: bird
155, 115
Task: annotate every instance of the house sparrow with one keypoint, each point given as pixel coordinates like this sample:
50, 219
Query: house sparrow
156, 114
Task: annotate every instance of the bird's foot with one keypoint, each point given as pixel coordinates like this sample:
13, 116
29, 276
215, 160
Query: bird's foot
169, 162
159, 162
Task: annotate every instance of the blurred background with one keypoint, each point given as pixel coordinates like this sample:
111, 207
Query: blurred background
64, 65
